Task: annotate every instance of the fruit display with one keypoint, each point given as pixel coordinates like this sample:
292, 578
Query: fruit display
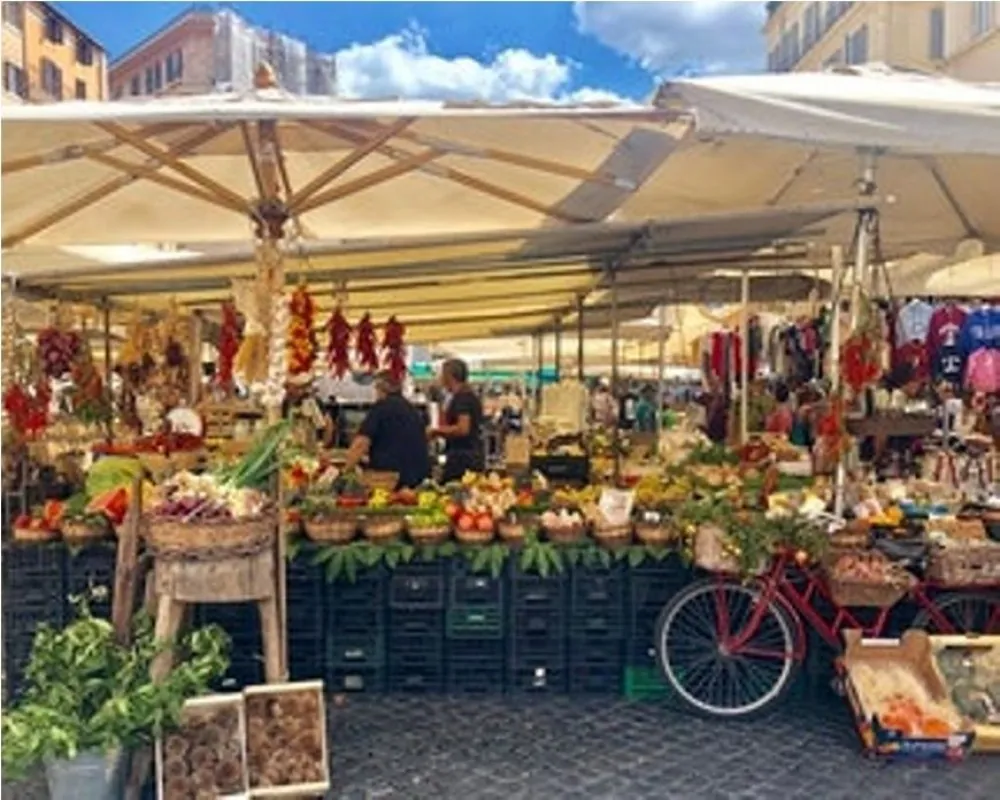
866, 567
286, 737
204, 757
900, 701
430, 512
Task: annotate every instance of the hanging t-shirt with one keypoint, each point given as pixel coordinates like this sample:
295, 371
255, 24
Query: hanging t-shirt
983, 371
913, 322
981, 329
914, 354
943, 343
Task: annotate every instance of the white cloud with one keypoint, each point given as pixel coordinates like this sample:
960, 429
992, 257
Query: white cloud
402, 65
671, 38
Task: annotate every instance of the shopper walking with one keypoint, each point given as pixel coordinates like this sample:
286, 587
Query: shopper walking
463, 421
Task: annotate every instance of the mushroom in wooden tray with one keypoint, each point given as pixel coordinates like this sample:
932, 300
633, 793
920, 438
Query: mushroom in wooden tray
204, 758
286, 737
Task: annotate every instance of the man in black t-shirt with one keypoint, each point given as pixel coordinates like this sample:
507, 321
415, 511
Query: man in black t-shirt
392, 436
463, 421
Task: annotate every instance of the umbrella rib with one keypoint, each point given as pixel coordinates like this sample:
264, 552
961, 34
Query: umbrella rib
361, 150
170, 160
104, 190
970, 229
472, 182
258, 175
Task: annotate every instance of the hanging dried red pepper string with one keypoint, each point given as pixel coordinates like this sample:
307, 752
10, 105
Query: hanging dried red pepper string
301, 343
367, 345
229, 345
394, 348
338, 353
28, 410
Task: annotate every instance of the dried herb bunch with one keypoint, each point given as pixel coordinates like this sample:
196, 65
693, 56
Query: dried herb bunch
285, 739
204, 758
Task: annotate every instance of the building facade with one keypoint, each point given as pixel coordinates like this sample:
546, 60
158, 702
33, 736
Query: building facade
47, 58
961, 39
205, 50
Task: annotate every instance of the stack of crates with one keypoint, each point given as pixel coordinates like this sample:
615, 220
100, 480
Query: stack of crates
596, 629
34, 592
304, 583
415, 652
475, 632
355, 624
537, 642
651, 586
246, 656
90, 571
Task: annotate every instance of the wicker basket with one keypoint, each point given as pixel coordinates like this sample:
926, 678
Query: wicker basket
172, 538
612, 536
475, 536
864, 594
34, 535
655, 534
965, 565
567, 534
379, 480
331, 530
513, 533
855, 535
382, 528
428, 534
80, 532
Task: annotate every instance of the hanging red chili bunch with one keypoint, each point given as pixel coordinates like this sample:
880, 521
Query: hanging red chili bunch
28, 411
394, 349
830, 428
859, 359
57, 349
301, 345
229, 345
367, 345
338, 353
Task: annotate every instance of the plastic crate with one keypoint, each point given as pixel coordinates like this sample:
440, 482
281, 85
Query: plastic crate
368, 591
33, 577
537, 679
596, 651
471, 589
418, 586
355, 679
416, 623
640, 653
472, 678
475, 622
479, 651
598, 624
645, 683
538, 624
594, 679
354, 622
596, 587
650, 589
366, 652
534, 591
416, 680
90, 571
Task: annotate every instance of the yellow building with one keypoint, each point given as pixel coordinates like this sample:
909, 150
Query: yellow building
47, 58
961, 39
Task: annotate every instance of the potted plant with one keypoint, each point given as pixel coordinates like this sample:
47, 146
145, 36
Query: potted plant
89, 699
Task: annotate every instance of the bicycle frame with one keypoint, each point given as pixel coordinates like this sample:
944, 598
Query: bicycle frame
777, 587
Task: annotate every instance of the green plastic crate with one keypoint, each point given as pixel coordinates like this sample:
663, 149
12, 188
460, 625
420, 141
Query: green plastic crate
475, 622
645, 683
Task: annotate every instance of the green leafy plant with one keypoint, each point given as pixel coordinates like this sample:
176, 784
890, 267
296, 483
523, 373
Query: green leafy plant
490, 558
86, 692
544, 558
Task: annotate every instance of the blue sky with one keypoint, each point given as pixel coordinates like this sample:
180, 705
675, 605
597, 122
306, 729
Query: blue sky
494, 51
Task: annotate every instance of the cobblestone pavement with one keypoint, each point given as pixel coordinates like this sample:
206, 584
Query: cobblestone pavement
562, 748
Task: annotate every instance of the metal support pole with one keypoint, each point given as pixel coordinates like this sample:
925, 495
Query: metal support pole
661, 357
539, 365
836, 289
109, 393
579, 338
615, 389
744, 355
558, 350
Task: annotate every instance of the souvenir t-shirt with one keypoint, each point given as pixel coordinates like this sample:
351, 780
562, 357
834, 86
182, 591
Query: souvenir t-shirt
914, 354
943, 343
983, 371
981, 329
913, 322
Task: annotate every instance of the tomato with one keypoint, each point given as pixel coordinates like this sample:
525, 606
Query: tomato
466, 522
453, 510
525, 499
23, 522
484, 523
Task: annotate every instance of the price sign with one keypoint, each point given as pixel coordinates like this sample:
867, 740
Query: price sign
616, 506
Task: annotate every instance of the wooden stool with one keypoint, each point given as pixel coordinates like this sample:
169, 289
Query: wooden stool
240, 579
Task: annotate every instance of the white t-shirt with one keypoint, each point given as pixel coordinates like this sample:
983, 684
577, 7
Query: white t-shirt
914, 322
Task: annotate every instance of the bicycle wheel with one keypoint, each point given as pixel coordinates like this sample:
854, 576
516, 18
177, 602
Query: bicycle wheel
964, 612
709, 677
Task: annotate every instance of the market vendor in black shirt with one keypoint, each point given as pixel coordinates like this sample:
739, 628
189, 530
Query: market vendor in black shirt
392, 436
463, 421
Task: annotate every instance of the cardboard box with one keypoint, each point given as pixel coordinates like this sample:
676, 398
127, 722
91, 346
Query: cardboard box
972, 650
914, 653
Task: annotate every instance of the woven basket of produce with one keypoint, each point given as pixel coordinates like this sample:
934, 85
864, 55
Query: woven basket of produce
424, 534
565, 534
381, 528
36, 535
175, 538
612, 536
76, 532
965, 563
511, 532
475, 536
655, 534
866, 579
331, 530
379, 480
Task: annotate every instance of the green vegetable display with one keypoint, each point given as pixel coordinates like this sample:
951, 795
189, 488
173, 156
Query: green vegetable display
112, 472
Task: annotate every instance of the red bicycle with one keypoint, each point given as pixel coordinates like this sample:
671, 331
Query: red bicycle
730, 649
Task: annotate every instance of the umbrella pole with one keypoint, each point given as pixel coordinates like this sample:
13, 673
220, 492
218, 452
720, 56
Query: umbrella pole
836, 286
661, 357
615, 438
579, 338
110, 422
744, 355
558, 350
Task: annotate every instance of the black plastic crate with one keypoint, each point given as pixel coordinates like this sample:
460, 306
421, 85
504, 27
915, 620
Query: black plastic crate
362, 652
596, 651
596, 587
90, 572
306, 662
242, 672
640, 653
33, 576
534, 591
607, 623
417, 680
465, 677
477, 651
596, 679
416, 623
354, 622
240, 620
418, 586
649, 591
368, 591
475, 622
537, 679
538, 623
429, 658
551, 652
472, 589
355, 679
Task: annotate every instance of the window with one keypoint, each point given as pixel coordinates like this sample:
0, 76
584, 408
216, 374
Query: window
175, 66
773, 62
84, 52
135, 86
158, 76
812, 27
856, 46
13, 14
982, 18
118, 92
52, 79
936, 45
53, 28
81, 90
13, 79
150, 77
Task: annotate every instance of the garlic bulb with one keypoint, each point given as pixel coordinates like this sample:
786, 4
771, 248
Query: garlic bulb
272, 393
